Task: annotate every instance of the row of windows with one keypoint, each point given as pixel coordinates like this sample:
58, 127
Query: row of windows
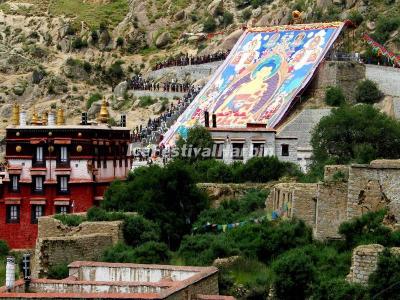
38, 187
13, 213
39, 156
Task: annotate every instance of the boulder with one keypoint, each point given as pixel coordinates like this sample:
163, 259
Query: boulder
231, 40
264, 21
163, 39
6, 111
371, 25
256, 12
65, 45
104, 39
350, 3
120, 89
180, 15
214, 6
94, 110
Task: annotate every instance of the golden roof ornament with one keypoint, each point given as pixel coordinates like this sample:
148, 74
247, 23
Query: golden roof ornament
60, 117
44, 118
15, 114
104, 115
35, 117
296, 15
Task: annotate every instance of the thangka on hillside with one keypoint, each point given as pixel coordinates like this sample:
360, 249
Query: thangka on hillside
261, 77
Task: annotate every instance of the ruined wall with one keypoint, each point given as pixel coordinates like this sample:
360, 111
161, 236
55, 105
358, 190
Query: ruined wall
60, 244
331, 209
338, 73
364, 262
294, 200
208, 286
217, 192
373, 187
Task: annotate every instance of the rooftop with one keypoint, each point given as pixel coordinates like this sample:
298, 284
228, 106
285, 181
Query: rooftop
89, 280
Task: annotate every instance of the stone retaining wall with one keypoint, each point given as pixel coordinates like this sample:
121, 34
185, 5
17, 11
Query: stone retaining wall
61, 244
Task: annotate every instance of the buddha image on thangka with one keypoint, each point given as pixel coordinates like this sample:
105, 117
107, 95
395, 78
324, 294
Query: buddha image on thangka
259, 80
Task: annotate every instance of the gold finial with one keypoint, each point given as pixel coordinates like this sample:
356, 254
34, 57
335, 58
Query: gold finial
60, 117
104, 115
35, 117
44, 118
15, 115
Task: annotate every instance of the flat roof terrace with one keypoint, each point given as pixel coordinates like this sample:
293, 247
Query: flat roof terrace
89, 280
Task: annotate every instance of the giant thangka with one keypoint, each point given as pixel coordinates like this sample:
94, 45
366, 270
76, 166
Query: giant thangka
260, 79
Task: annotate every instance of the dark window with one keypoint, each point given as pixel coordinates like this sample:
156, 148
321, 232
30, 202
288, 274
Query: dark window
285, 150
36, 212
237, 151
14, 183
62, 209
37, 184
258, 149
12, 214
62, 183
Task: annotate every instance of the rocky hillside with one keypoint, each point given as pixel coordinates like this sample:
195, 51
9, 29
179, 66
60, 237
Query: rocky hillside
71, 53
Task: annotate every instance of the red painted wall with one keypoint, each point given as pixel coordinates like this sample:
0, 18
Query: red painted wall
24, 234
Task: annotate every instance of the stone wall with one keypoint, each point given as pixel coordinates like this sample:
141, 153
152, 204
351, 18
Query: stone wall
338, 73
298, 198
373, 187
61, 244
364, 262
218, 192
387, 78
331, 209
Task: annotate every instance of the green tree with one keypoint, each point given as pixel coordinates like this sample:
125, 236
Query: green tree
294, 273
368, 92
334, 96
4, 249
138, 230
168, 196
384, 282
152, 253
360, 133
209, 24
199, 139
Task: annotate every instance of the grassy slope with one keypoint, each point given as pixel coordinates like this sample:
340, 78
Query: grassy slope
92, 14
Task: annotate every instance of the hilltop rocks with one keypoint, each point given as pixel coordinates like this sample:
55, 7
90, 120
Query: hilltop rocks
120, 89
231, 40
104, 39
163, 40
180, 15
94, 110
214, 6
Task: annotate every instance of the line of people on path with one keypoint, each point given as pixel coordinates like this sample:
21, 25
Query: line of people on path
139, 83
159, 124
186, 60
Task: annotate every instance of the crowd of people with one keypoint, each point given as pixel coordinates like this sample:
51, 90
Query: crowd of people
137, 82
185, 60
158, 126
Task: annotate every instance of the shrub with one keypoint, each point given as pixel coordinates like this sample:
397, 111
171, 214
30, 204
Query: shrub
71, 220
87, 67
367, 229
59, 271
152, 253
246, 14
368, 92
95, 36
93, 98
383, 283
209, 24
138, 230
4, 249
293, 274
227, 18
145, 101
78, 43
356, 17
119, 253
334, 96
120, 41
338, 289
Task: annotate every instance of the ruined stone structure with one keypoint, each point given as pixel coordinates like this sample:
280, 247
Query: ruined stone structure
96, 280
364, 262
218, 192
338, 73
60, 244
347, 192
